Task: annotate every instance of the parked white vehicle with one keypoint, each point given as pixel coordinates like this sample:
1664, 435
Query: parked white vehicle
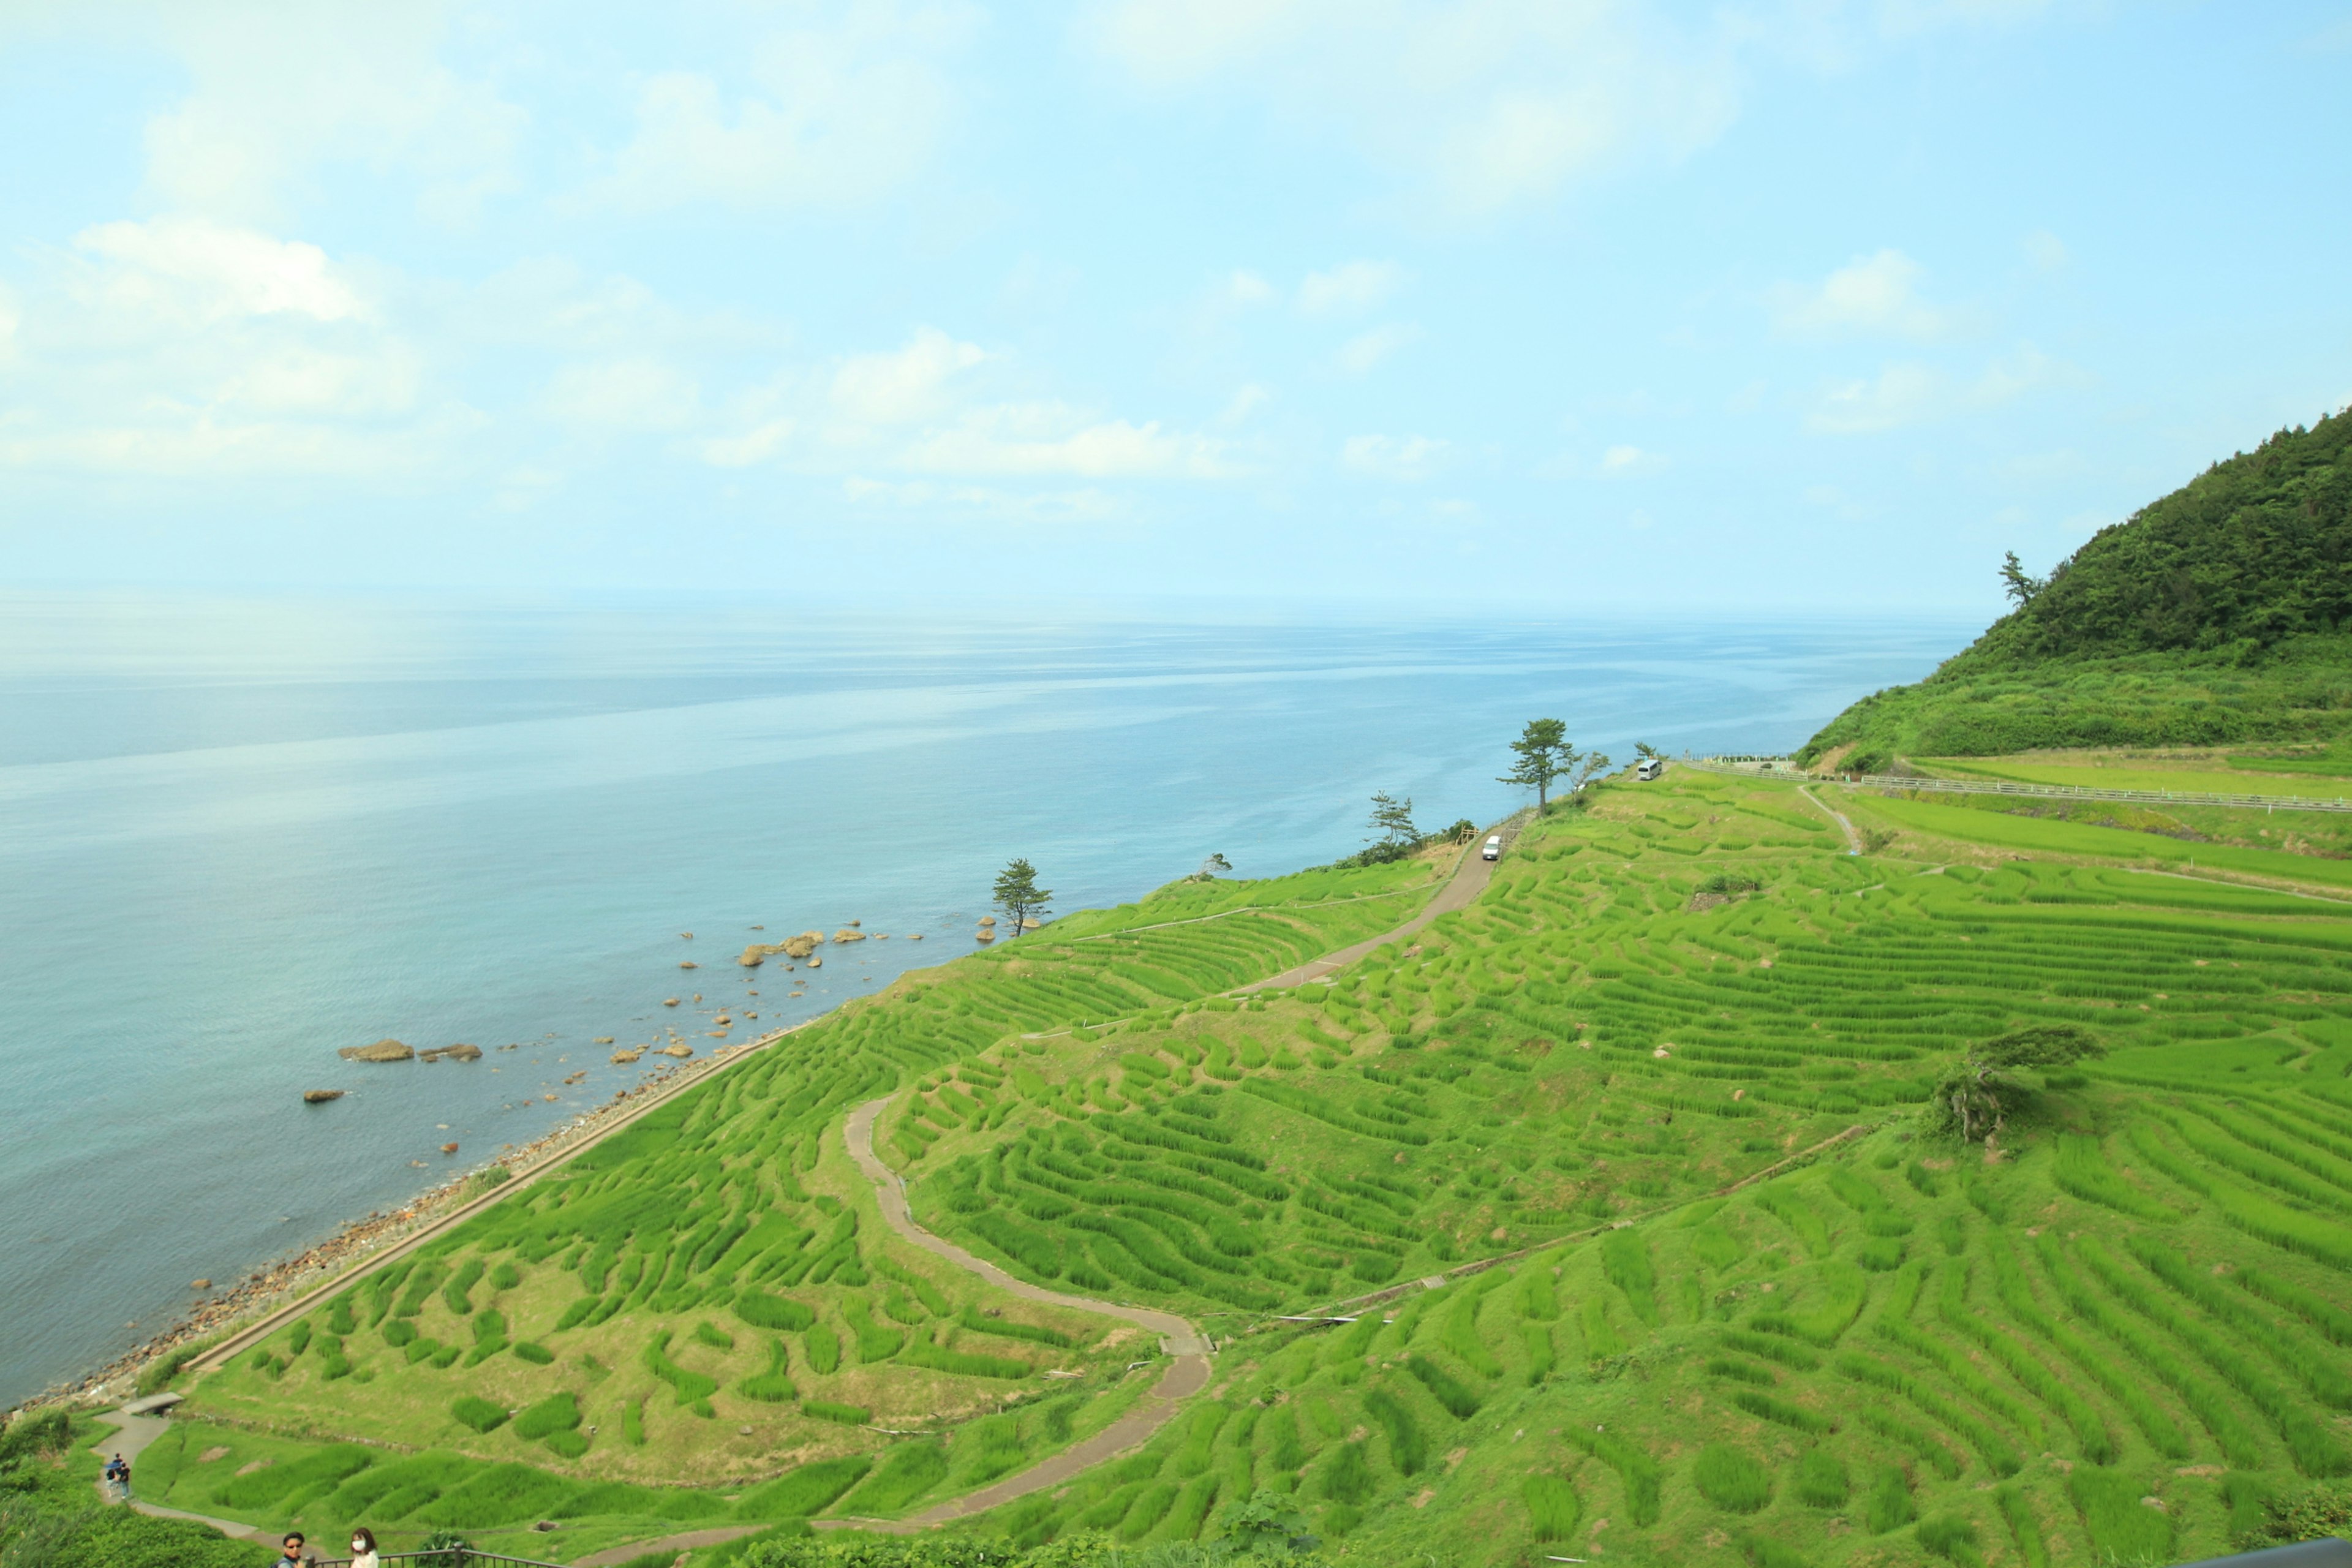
1494, 850
1650, 768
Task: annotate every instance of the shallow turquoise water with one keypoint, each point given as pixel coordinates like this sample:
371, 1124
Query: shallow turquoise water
236, 835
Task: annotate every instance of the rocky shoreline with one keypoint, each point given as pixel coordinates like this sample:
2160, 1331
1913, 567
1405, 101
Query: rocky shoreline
274, 1284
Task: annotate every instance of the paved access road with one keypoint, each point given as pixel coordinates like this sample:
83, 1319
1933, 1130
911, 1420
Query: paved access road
1470, 878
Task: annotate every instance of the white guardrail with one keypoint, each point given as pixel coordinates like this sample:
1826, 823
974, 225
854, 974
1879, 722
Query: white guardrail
2041, 792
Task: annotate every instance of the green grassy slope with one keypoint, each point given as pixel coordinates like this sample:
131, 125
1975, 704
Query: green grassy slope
1896, 1348
2217, 615
1647, 1114
710, 1298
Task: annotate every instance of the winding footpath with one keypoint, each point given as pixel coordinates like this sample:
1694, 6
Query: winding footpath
1178, 1338
1189, 1372
1186, 1377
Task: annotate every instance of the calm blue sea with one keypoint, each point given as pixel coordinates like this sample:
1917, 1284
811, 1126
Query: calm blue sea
235, 835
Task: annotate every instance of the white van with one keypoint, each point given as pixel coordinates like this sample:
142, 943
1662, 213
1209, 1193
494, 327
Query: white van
1650, 768
1494, 850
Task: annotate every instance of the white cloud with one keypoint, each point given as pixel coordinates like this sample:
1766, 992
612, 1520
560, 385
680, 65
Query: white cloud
2045, 250
1870, 295
1247, 288
1899, 394
274, 96
1910, 393
922, 498
757, 445
1246, 402
1403, 458
1351, 287
637, 394
1485, 104
903, 384
1359, 354
842, 111
193, 272
184, 346
1624, 460
1017, 438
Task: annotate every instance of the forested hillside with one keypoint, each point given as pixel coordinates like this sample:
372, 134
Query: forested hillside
2222, 612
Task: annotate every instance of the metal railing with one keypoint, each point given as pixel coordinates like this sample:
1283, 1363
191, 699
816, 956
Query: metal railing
439, 1557
2038, 790
2088, 791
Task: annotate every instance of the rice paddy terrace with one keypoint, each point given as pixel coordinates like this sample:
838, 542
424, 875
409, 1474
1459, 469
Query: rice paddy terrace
1620, 1177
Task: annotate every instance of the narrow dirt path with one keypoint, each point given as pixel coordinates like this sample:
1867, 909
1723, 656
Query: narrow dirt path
1470, 876
1180, 1339
1852, 839
718, 1535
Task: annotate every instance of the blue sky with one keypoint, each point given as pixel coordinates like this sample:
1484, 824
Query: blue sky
1781, 304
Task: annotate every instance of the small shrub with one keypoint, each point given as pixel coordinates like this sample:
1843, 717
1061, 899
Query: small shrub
847, 1414
1731, 1479
1552, 1510
479, 1414
1821, 1479
1888, 1505
556, 1412
533, 1352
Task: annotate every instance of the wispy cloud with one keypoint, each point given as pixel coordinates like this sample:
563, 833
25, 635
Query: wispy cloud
1874, 295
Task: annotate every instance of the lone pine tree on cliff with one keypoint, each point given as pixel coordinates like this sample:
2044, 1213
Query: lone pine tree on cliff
1018, 894
1544, 755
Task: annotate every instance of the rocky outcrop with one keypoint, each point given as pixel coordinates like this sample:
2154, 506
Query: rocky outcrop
602, 1040
669, 1001
448, 1148
914, 936
321, 1096
687, 964
845, 935
622, 1058
680, 1052
801, 946
451, 1053
983, 934
816, 963
988, 920
382, 1051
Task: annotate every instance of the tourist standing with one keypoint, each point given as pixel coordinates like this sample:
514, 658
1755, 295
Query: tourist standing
363, 1548
291, 1556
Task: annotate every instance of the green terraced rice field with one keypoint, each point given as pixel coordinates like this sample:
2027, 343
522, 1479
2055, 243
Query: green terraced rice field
1647, 1115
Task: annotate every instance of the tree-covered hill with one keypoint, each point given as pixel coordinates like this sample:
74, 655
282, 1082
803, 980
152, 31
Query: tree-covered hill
2222, 612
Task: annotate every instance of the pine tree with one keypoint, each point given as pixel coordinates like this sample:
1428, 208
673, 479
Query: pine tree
1018, 894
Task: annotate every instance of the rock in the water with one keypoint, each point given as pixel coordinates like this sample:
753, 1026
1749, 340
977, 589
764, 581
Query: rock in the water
200, 1284
802, 945
321, 1096
983, 934
602, 1040
845, 935
454, 1053
914, 936
1031, 925
680, 1052
753, 956
816, 963
669, 1001
448, 1148
686, 936
622, 1058
856, 924
988, 920
382, 1051
687, 964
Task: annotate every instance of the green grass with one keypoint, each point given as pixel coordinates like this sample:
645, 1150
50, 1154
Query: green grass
1565, 1081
